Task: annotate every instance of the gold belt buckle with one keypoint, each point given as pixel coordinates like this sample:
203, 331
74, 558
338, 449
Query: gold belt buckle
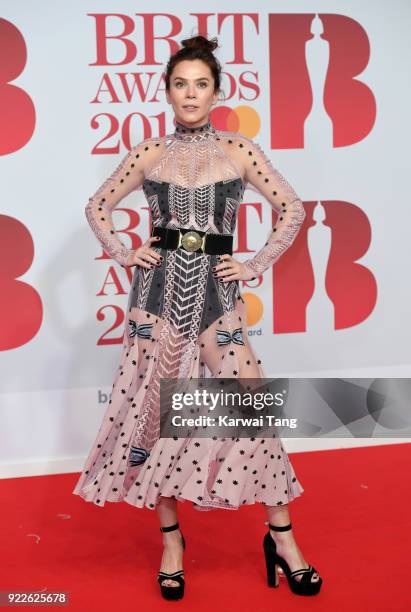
191, 241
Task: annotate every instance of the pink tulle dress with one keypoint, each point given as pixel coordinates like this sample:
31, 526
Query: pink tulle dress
181, 321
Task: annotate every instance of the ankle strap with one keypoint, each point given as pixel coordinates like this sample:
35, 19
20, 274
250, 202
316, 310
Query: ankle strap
170, 528
278, 528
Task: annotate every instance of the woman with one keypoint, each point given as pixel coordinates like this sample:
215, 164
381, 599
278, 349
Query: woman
186, 319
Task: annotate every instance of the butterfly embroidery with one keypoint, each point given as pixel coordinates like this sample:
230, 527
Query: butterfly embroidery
137, 456
143, 330
224, 337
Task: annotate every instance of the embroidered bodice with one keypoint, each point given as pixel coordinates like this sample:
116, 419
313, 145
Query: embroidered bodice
195, 178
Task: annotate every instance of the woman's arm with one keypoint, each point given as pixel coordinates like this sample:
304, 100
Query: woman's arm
127, 177
274, 187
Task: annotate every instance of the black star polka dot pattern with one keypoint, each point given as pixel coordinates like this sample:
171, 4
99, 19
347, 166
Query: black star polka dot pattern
182, 320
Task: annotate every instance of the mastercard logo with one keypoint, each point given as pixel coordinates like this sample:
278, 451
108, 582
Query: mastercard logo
243, 119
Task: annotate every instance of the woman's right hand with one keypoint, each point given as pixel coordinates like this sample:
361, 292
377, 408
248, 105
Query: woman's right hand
145, 256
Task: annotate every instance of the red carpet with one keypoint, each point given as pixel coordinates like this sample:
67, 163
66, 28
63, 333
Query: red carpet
352, 523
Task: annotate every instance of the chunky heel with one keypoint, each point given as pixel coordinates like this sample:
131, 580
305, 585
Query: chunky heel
305, 586
172, 592
271, 565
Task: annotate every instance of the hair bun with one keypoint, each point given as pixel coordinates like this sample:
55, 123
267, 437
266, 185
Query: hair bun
200, 42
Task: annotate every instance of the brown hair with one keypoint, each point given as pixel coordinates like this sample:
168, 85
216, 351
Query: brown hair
197, 47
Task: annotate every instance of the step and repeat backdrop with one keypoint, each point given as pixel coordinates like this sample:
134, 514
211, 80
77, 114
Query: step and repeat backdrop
321, 86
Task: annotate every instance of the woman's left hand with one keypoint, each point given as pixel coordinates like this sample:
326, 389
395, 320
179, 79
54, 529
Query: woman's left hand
230, 269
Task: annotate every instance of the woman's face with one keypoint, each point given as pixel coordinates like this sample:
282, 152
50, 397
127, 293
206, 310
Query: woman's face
191, 83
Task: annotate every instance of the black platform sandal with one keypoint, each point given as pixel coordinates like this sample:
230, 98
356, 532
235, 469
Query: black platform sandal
172, 592
300, 587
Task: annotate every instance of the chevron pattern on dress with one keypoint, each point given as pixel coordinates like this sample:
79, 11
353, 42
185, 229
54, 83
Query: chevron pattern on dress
179, 199
230, 213
227, 293
144, 283
155, 208
170, 347
186, 291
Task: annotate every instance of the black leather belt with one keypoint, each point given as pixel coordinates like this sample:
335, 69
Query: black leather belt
193, 240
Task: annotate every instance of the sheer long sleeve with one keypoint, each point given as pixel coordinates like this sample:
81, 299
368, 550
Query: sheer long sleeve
127, 177
261, 174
